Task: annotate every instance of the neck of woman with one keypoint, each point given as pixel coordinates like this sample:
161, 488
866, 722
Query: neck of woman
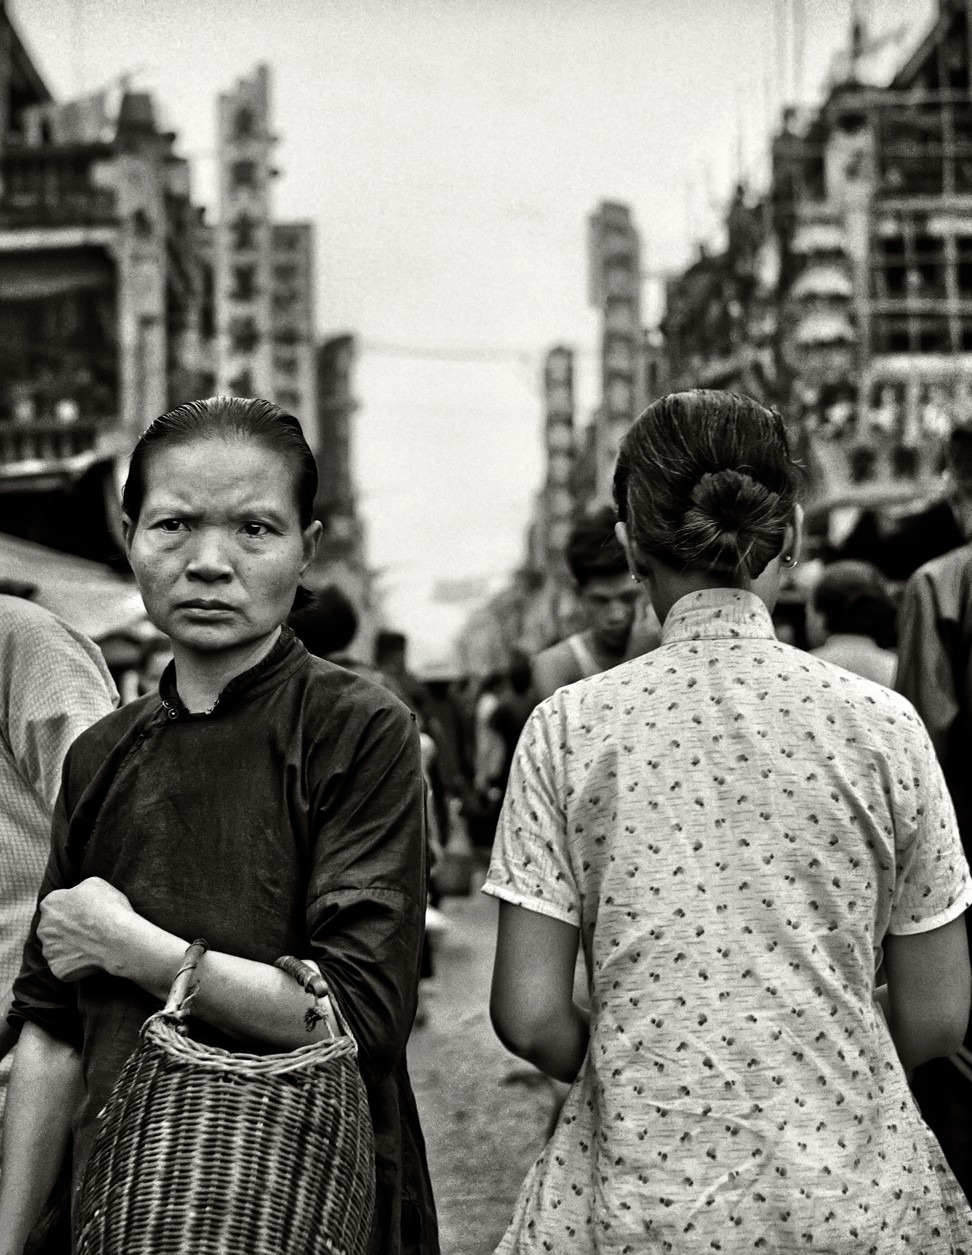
668, 586
202, 675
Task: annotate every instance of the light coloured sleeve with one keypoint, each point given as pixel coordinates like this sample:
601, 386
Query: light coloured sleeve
531, 865
927, 643
932, 884
57, 685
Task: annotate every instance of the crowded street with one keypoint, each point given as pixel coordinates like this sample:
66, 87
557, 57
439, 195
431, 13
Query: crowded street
486, 627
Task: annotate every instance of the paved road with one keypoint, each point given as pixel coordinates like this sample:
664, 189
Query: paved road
484, 1112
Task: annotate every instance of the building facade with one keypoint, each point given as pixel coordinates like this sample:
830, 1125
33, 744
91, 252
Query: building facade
614, 255
103, 295
264, 270
118, 300
844, 293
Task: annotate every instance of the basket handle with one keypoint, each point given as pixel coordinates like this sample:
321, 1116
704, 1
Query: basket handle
185, 984
311, 980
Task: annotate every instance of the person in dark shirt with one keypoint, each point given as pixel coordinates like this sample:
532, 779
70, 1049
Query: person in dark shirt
935, 674
264, 799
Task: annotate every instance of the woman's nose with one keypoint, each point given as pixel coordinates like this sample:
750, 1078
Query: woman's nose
209, 559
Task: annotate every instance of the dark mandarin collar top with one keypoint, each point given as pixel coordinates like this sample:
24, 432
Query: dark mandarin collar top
289, 819
282, 660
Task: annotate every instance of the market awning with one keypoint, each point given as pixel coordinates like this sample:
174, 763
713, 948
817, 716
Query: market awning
822, 280
818, 237
41, 274
822, 327
90, 596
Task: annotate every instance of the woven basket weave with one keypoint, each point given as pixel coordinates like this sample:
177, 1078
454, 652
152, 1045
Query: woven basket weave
202, 1151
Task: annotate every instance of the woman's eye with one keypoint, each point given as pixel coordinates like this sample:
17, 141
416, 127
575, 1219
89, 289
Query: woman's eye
169, 525
254, 529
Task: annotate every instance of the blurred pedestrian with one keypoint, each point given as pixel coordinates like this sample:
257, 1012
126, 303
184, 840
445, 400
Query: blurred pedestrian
326, 623
853, 617
735, 833
619, 624
265, 800
391, 659
447, 723
935, 674
54, 683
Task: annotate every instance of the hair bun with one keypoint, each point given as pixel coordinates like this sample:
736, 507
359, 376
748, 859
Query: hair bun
705, 481
732, 524
730, 497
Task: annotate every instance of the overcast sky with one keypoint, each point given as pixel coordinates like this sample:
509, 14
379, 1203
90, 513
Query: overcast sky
449, 152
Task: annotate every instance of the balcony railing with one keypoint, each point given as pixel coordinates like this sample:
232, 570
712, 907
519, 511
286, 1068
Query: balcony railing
52, 186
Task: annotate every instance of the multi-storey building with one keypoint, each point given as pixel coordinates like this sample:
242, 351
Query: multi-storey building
341, 559
848, 300
615, 290
264, 269
557, 504
294, 383
103, 317
243, 237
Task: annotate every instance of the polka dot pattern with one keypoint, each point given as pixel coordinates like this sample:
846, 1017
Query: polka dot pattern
734, 826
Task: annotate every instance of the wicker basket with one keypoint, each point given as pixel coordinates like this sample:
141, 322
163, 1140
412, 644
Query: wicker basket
201, 1150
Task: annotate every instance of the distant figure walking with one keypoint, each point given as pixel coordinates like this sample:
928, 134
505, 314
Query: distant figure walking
736, 833
935, 674
852, 617
619, 623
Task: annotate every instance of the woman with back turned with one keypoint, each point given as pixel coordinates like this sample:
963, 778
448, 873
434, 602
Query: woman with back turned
266, 800
737, 834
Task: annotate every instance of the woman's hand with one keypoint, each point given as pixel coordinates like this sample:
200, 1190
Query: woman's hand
83, 930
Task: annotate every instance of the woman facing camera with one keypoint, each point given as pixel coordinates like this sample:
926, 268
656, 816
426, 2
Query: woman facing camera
736, 833
266, 800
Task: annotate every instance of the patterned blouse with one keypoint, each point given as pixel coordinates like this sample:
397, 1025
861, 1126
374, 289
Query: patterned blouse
734, 826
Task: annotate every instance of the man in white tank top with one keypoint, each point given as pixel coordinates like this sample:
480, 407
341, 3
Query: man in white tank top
620, 622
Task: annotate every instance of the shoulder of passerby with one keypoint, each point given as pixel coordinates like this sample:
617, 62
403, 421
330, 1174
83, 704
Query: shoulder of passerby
55, 684
932, 624
552, 668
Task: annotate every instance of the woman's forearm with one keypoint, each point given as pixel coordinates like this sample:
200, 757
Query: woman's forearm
241, 997
43, 1092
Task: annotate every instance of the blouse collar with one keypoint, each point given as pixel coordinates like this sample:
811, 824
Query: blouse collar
716, 614
280, 663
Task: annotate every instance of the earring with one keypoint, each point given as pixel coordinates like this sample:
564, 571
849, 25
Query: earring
788, 560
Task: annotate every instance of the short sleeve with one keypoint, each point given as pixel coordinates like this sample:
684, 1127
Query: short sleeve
38, 996
932, 882
531, 865
54, 685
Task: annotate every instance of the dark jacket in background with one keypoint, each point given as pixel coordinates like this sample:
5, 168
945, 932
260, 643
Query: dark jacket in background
287, 820
935, 668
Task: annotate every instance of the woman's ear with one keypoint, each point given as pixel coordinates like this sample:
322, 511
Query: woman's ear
621, 531
312, 539
128, 531
793, 536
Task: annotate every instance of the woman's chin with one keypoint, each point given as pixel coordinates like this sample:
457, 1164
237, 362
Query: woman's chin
207, 638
